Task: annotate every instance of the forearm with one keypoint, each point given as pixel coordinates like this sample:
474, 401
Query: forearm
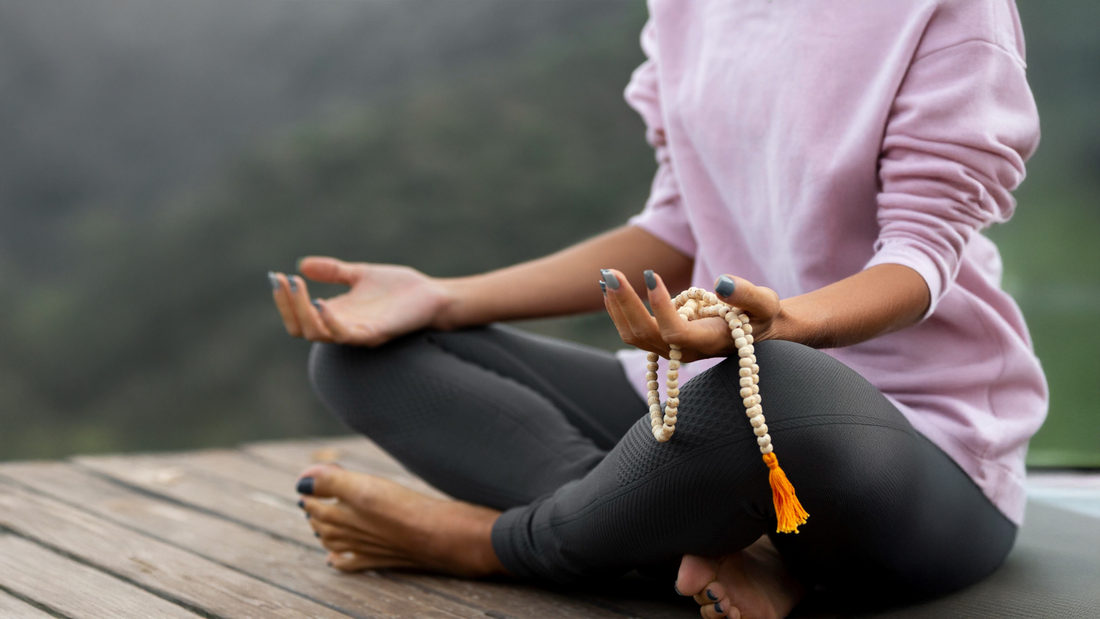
562, 283
879, 300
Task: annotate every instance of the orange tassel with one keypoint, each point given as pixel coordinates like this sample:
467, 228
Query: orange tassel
788, 511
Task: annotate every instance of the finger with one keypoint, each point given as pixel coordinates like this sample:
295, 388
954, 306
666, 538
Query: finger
341, 333
672, 328
621, 324
281, 293
328, 270
308, 319
646, 334
756, 301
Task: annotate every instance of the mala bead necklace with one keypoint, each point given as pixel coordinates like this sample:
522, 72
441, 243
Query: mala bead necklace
696, 303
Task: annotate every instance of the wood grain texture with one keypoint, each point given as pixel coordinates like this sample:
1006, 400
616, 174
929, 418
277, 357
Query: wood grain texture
74, 590
168, 571
286, 564
13, 608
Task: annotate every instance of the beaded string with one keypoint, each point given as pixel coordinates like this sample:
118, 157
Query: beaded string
695, 303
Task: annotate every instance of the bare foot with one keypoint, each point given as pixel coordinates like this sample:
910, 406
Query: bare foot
376, 523
751, 584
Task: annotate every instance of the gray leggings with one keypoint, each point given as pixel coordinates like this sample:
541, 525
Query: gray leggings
553, 434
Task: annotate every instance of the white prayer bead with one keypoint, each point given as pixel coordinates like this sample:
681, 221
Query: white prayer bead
673, 393
760, 430
755, 368
743, 318
738, 333
745, 353
671, 384
745, 363
675, 354
746, 381
764, 441
652, 367
740, 343
749, 338
755, 378
650, 376
673, 375
653, 399
767, 449
673, 365
723, 310
755, 389
757, 421
748, 329
673, 402
652, 385
746, 392
744, 371
655, 408
754, 411
749, 401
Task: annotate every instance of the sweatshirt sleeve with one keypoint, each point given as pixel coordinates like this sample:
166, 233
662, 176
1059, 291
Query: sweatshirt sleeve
961, 127
663, 215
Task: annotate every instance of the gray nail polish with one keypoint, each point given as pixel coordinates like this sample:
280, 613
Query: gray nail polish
724, 287
603, 288
677, 588
317, 303
293, 283
711, 595
273, 280
650, 280
718, 608
610, 278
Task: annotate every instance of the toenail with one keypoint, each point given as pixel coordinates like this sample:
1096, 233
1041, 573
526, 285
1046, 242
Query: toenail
316, 534
711, 595
718, 608
301, 503
328, 563
305, 485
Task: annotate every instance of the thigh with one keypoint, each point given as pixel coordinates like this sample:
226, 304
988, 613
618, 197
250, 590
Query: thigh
868, 479
890, 512
586, 384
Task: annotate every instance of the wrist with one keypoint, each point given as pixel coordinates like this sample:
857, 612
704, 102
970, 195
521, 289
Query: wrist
450, 312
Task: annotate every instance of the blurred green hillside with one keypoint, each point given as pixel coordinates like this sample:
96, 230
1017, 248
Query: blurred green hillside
156, 330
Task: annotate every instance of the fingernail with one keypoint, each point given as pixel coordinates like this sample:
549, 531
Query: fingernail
650, 280
274, 281
603, 288
718, 608
724, 287
302, 503
711, 595
676, 586
293, 283
298, 264
305, 485
317, 304
610, 278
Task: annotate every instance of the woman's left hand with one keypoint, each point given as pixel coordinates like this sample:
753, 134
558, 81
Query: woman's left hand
699, 338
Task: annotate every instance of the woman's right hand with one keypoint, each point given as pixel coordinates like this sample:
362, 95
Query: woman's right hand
385, 302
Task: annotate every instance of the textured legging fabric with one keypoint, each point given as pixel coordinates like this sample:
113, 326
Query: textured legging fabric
553, 434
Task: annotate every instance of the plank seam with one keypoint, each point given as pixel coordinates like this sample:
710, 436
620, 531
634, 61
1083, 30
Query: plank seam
28, 601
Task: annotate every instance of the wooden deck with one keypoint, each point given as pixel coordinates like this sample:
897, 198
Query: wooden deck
218, 534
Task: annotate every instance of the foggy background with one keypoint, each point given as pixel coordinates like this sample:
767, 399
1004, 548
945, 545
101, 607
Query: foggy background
157, 158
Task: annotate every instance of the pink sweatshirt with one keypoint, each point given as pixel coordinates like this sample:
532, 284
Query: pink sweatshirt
801, 141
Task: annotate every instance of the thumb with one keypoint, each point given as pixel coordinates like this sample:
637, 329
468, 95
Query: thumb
757, 301
328, 270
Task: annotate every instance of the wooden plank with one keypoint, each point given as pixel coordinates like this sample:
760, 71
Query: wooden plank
282, 563
14, 608
209, 492
158, 567
74, 590
276, 513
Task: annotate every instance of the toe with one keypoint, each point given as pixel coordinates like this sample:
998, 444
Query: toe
335, 514
711, 593
348, 561
695, 574
318, 480
721, 608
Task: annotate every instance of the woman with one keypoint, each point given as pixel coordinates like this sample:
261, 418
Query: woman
843, 154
